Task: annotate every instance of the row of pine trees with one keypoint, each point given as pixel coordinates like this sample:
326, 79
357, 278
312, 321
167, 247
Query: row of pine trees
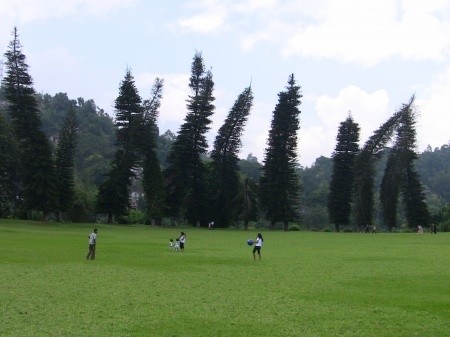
191, 187
353, 177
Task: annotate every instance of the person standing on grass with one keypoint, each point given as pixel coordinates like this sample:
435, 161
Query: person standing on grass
258, 244
182, 239
92, 242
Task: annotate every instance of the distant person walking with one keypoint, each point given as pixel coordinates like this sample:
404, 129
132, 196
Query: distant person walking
92, 242
258, 244
182, 239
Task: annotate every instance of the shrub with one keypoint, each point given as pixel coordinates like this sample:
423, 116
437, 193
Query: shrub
136, 217
348, 230
328, 230
294, 228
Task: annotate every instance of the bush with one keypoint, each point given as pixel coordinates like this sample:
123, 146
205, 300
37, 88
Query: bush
348, 230
328, 230
136, 217
294, 228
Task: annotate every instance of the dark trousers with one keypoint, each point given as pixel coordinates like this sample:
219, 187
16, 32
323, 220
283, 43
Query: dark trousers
91, 253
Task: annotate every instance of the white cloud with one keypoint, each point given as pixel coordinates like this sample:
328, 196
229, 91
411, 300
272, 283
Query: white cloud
434, 118
18, 12
369, 110
203, 23
363, 32
30, 10
256, 131
368, 32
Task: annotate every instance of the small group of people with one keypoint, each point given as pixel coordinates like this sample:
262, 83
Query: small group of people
178, 245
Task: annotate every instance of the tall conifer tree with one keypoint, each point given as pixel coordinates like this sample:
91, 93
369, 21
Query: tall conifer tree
185, 175
280, 182
365, 167
341, 185
225, 159
113, 197
36, 166
401, 176
390, 190
65, 161
153, 181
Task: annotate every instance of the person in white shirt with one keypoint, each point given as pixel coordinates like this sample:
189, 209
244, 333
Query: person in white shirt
92, 242
182, 239
258, 244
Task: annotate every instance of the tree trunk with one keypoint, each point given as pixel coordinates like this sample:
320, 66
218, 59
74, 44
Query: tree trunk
286, 226
246, 224
110, 218
337, 227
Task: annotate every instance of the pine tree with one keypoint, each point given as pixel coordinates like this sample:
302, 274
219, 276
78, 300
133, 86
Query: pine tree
406, 178
153, 180
280, 182
185, 174
390, 190
65, 161
114, 194
225, 159
365, 167
37, 170
129, 117
113, 197
341, 185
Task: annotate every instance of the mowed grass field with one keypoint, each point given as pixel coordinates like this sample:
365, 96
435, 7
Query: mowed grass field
307, 284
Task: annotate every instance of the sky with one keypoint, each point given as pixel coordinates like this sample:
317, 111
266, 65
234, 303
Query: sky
366, 58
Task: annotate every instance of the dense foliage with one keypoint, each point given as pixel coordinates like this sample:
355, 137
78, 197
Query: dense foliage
225, 169
341, 185
280, 187
65, 156
186, 172
36, 168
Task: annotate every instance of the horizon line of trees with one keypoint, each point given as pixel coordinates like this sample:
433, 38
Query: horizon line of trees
190, 184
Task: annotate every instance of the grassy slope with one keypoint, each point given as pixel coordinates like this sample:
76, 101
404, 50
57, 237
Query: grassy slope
308, 284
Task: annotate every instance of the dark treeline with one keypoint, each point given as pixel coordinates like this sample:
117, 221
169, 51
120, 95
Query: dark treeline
78, 164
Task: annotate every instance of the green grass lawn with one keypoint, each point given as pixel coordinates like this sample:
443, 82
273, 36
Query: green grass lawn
307, 284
